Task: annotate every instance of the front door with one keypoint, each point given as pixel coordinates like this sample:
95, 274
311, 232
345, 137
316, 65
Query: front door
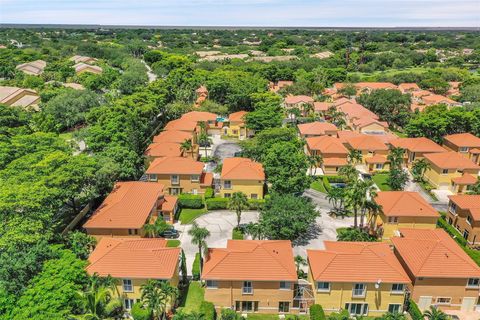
468, 303
424, 302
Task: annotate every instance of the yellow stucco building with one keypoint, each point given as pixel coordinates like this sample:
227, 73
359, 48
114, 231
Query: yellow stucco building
237, 127
242, 175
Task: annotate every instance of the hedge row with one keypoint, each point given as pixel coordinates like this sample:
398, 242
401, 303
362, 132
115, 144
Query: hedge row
222, 203
196, 267
336, 179
316, 312
208, 310
190, 201
209, 193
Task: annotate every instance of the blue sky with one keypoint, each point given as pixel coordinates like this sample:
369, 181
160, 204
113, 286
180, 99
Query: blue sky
337, 13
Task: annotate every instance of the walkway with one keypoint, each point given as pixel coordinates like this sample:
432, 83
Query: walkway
151, 76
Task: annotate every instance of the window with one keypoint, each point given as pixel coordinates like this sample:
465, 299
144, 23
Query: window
452, 208
246, 306
174, 179
227, 195
379, 166
254, 196
392, 219
127, 285
450, 221
212, 284
469, 220
194, 191
227, 184
359, 290
473, 283
283, 306
152, 177
247, 287
128, 303
323, 286
463, 149
465, 234
397, 288
285, 285
132, 232
195, 178
443, 300
359, 309
445, 171
394, 308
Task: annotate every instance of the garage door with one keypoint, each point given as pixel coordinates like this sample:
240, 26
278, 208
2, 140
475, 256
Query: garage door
468, 304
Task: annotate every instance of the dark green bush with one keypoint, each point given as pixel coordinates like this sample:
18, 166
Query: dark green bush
326, 183
209, 193
196, 267
208, 310
255, 204
316, 312
414, 311
190, 201
140, 313
336, 179
217, 203
237, 234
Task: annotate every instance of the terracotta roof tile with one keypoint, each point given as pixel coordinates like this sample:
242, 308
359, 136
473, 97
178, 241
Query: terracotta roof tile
261, 260
326, 144
365, 121
404, 204
199, 116
451, 160
175, 165
433, 253
355, 110
367, 142
412, 86
238, 116
376, 159
420, 144
172, 136
375, 85
465, 179
356, 262
164, 149
298, 99
127, 206
463, 140
316, 128
134, 258
242, 169
321, 106
181, 125
169, 203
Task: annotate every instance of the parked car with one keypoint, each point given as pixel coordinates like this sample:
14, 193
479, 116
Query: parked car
170, 234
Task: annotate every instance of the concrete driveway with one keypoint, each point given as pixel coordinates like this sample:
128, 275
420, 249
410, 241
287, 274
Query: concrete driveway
220, 224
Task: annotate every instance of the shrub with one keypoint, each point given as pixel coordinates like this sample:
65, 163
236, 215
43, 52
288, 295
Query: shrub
140, 313
190, 201
237, 234
335, 179
326, 183
229, 314
209, 193
208, 310
316, 312
196, 267
414, 311
217, 203
451, 231
255, 204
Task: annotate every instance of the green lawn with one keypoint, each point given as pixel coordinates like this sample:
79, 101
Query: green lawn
172, 243
188, 215
380, 180
194, 297
318, 186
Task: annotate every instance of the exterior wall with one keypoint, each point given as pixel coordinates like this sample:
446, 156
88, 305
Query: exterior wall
450, 146
371, 127
389, 229
124, 233
458, 219
372, 167
185, 185
238, 130
248, 187
412, 156
341, 293
435, 176
330, 170
367, 154
267, 293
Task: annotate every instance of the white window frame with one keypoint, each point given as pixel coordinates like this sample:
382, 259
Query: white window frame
127, 285
395, 304
212, 284
443, 303
175, 179
128, 303
463, 149
319, 289
452, 208
396, 291
287, 303
152, 177
355, 290
379, 166
229, 184
469, 220
195, 178
475, 286
363, 308
393, 220
285, 285
247, 287
443, 171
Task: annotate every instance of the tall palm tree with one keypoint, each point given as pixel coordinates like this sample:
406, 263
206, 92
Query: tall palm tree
157, 295
314, 160
396, 157
255, 230
238, 202
307, 109
186, 146
199, 235
205, 141
357, 194
300, 262
435, 314
349, 172
155, 229
419, 168
335, 198
373, 211
354, 156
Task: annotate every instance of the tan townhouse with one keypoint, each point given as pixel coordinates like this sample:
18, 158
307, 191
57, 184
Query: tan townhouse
19, 97
251, 276
464, 215
301, 103
374, 151
242, 175
466, 144
334, 154
316, 129
442, 274
33, 68
416, 148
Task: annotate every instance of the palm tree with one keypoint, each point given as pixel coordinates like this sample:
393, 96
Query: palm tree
155, 229
238, 202
186, 146
157, 295
307, 108
349, 172
296, 113
356, 197
396, 157
393, 316
335, 198
205, 141
300, 262
373, 210
354, 156
199, 235
314, 160
255, 230
435, 314
419, 168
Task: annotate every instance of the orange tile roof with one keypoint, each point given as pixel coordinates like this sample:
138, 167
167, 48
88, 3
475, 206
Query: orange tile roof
369, 262
375, 85
201, 89
316, 128
421, 93
337, 162
175, 165
206, 179
450, 160
408, 86
463, 140
355, 110
420, 144
434, 254
164, 149
298, 99
172, 136
365, 121
376, 159
366, 142
134, 258
169, 203
321, 106
344, 135
199, 116
468, 202
438, 99
181, 125
242, 169
474, 151
326, 144
238, 116
258, 260
404, 204
127, 206
343, 100
465, 179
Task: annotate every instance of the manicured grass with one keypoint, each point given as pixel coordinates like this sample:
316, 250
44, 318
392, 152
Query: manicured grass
195, 296
173, 243
188, 215
380, 180
237, 234
318, 186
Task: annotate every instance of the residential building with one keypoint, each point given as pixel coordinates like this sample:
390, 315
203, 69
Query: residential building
130, 206
364, 278
185, 125
276, 86
84, 67
442, 274
316, 129
374, 151
19, 97
415, 148
354, 111
173, 136
466, 144
408, 87
445, 166
301, 103
163, 149
368, 87
207, 118
463, 183
334, 154
464, 215
321, 108
179, 175
82, 59
33, 68
244, 175
403, 209
251, 276
369, 125
237, 127
132, 262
